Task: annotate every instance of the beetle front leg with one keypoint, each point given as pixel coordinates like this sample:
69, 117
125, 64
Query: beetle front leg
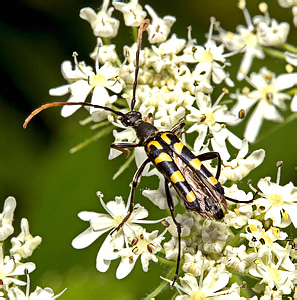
123, 147
134, 184
178, 227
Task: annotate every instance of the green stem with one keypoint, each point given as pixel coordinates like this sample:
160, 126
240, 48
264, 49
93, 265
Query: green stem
167, 262
124, 166
135, 33
92, 139
161, 286
274, 52
289, 47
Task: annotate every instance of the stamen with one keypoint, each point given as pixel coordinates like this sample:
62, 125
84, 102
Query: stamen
279, 165
99, 45
210, 32
75, 55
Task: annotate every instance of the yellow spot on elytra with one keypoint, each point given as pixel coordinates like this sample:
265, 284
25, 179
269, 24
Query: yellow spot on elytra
191, 196
196, 163
178, 147
162, 157
156, 144
165, 138
212, 180
176, 177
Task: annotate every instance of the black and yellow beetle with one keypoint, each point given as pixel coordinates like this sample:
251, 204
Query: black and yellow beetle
199, 190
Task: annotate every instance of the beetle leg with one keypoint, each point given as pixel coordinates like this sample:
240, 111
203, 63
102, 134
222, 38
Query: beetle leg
134, 184
179, 128
123, 147
178, 227
212, 155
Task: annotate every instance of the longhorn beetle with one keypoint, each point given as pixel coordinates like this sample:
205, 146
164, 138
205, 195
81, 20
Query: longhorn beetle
196, 186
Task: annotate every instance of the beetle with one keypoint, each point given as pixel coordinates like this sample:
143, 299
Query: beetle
199, 190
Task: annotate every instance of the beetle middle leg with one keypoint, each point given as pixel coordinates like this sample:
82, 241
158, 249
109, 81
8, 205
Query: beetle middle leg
134, 184
178, 227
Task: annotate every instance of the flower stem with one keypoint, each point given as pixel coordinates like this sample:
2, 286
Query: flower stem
161, 286
92, 139
166, 261
124, 166
274, 52
289, 47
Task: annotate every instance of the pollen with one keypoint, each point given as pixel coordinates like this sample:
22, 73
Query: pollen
253, 227
274, 274
275, 199
275, 231
97, 80
210, 118
205, 57
198, 295
285, 215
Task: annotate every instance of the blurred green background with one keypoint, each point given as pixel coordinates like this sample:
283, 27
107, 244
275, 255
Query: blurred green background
50, 185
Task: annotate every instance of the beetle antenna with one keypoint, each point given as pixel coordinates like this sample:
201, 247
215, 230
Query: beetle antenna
53, 104
142, 28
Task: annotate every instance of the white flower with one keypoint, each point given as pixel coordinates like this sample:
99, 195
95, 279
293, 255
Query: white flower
206, 120
104, 53
195, 264
209, 286
6, 217
246, 41
237, 258
15, 293
171, 247
258, 236
270, 32
158, 197
238, 168
11, 268
159, 29
210, 58
144, 245
132, 11
214, 236
101, 223
82, 80
279, 203
186, 223
102, 23
243, 212
24, 244
291, 58
268, 96
268, 268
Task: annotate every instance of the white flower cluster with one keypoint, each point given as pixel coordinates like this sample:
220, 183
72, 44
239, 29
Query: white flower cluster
12, 265
177, 78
